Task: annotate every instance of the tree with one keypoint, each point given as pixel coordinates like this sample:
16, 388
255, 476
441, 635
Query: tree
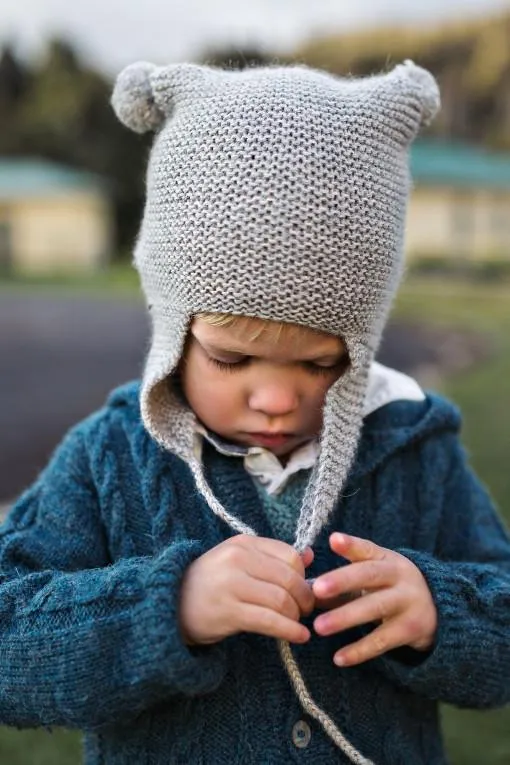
237, 58
14, 79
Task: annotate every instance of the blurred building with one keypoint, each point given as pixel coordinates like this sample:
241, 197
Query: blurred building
460, 207
53, 219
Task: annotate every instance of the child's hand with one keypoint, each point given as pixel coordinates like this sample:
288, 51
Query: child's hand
391, 590
246, 584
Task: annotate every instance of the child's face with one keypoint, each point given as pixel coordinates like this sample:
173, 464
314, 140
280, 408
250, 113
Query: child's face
268, 391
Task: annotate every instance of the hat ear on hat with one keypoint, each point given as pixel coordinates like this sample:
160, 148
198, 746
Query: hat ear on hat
144, 94
425, 87
133, 98
414, 98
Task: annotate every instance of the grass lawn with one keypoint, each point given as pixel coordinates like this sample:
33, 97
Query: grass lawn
120, 278
483, 394
38, 747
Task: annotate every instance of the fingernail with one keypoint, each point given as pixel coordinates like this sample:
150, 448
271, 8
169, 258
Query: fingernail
339, 660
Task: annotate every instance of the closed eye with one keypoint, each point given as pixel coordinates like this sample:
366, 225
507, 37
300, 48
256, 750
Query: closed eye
320, 369
310, 366
230, 366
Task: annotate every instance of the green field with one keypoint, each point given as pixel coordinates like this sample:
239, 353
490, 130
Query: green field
483, 394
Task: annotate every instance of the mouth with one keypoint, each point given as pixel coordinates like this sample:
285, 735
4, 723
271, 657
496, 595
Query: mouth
271, 440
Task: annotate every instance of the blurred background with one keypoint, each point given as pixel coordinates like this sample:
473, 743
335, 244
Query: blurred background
72, 322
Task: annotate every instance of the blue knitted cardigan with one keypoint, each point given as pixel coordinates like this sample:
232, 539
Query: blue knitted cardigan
92, 555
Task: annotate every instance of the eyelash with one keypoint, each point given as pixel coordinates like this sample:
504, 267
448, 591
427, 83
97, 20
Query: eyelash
314, 369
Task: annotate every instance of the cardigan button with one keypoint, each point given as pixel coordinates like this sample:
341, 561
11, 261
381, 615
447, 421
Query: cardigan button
301, 734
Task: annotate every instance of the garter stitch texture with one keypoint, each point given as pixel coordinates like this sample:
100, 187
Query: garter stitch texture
278, 193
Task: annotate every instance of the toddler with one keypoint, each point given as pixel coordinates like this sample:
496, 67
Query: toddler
271, 550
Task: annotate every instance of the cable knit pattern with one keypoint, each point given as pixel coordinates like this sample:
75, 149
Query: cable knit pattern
92, 555
282, 509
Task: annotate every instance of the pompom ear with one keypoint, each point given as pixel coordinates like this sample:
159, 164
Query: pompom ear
145, 95
425, 88
133, 98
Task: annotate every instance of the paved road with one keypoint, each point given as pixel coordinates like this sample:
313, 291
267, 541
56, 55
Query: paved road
60, 355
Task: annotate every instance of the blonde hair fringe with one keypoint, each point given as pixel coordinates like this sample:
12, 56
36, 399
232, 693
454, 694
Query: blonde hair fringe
255, 325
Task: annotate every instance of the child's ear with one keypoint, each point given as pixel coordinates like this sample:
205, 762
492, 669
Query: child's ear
144, 94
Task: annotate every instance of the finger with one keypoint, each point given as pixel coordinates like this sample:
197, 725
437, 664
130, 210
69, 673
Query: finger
379, 606
253, 556
277, 549
307, 557
327, 604
365, 575
239, 550
277, 572
271, 596
263, 621
383, 639
356, 548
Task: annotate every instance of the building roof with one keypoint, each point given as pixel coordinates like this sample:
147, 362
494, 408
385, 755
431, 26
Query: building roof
20, 177
455, 164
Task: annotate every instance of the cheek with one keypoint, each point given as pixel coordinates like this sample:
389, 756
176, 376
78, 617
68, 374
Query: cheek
316, 391
210, 393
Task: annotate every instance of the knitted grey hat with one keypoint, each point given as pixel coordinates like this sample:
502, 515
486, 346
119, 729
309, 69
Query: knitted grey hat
278, 193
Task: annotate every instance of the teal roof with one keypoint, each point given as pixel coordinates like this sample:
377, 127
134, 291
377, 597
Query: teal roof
27, 177
460, 165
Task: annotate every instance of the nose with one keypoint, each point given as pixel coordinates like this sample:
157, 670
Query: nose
274, 399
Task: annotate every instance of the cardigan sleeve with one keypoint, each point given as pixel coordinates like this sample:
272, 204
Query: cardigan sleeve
468, 574
84, 642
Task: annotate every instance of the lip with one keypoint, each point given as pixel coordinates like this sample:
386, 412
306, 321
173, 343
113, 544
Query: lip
271, 439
